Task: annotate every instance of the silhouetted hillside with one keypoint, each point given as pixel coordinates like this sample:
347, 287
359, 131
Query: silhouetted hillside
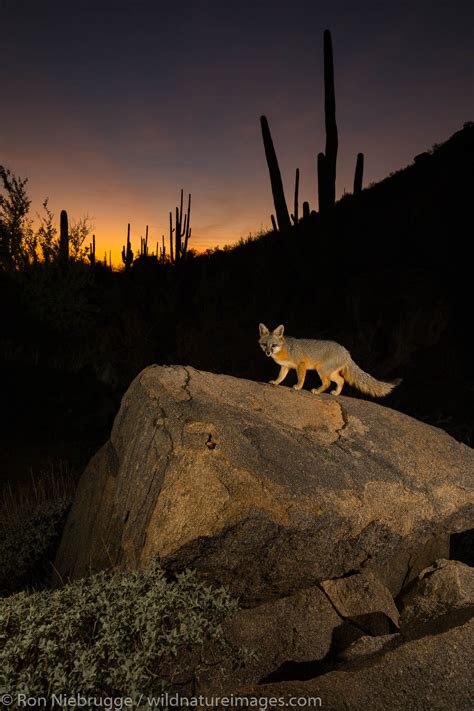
403, 215
385, 273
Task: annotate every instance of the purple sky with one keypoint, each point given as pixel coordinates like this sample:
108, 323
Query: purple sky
111, 107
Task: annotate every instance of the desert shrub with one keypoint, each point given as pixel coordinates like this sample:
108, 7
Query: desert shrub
115, 634
31, 521
60, 300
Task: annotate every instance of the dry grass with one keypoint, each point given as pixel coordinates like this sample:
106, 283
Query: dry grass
31, 522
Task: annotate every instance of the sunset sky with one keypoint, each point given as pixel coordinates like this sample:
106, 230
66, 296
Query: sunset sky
110, 108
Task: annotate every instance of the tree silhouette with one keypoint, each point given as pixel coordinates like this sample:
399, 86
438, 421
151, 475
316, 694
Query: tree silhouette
16, 237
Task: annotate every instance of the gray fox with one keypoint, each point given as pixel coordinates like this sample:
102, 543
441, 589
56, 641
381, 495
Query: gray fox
332, 361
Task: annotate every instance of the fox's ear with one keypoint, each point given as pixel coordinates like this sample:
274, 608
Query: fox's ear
279, 331
263, 329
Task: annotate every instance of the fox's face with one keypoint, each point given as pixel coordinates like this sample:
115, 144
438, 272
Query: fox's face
271, 343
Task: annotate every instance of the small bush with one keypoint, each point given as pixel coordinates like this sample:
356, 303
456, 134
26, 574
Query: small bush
31, 522
115, 634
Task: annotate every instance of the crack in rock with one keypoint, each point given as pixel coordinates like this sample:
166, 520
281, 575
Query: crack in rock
345, 422
186, 383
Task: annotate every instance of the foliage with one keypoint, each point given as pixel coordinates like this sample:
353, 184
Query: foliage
114, 634
30, 526
79, 231
20, 245
16, 238
59, 298
47, 235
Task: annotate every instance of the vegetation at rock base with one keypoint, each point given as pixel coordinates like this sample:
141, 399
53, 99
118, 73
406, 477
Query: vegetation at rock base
31, 522
116, 634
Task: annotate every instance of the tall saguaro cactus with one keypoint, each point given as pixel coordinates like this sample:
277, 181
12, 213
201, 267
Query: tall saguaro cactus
144, 244
91, 253
127, 254
323, 197
63, 238
327, 167
359, 173
181, 229
330, 118
281, 209
161, 251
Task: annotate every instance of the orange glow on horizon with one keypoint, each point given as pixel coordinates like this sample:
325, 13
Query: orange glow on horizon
110, 249
107, 133
107, 243
214, 224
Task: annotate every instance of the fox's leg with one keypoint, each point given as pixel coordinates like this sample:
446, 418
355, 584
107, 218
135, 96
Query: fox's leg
337, 378
301, 370
325, 383
281, 375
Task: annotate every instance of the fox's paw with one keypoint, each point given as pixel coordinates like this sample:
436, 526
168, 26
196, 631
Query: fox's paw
297, 387
273, 382
315, 391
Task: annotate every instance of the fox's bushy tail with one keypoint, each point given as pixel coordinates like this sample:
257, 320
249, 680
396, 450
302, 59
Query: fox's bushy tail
366, 383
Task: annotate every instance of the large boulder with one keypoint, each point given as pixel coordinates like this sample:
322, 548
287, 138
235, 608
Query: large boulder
265, 489
363, 600
424, 673
444, 587
298, 628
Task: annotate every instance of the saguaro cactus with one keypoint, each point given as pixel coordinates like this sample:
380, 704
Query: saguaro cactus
306, 212
181, 229
127, 254
327, 167
330, 118
63, 238
144, 244
91, 254
323, 197
161, 253
281, 209
295, 215
359, 172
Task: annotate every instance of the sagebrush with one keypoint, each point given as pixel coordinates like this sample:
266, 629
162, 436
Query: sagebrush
116, 634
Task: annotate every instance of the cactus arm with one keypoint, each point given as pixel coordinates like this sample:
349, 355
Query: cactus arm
63, 238
359, 173
281, 209
295, 216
